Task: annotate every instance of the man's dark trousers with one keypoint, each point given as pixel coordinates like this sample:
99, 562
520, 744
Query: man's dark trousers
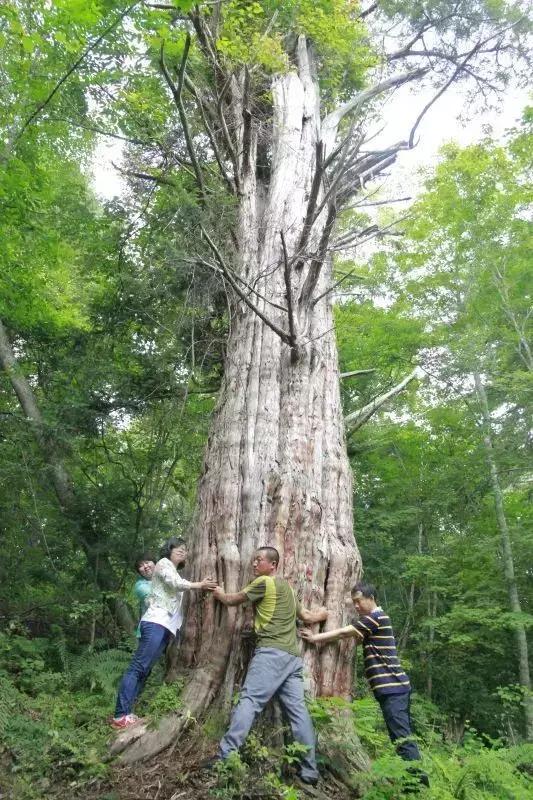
396, 713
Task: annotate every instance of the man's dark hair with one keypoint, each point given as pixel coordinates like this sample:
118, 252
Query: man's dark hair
144, 557
271, 553
366, 589
170, 545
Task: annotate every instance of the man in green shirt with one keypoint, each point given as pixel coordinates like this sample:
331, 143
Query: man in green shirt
276, 668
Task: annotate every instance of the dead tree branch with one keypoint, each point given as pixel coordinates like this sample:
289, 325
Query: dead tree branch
310, 215
238, 278
288, 289
348, 239
211, 134
341, 169
357, 419
227, 138
283, 335
176, 94
333, 119
146, 176
363, 204
315, 267
351, 274
356, 372
440, 93
101, 132
367, 11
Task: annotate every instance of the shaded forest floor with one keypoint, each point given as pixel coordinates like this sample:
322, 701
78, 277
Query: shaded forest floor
173, 776
179, 773
54, 741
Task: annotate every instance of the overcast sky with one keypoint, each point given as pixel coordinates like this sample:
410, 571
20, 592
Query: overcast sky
450, 119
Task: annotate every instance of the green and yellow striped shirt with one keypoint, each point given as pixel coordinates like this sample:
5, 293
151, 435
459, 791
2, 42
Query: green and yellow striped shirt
275, 609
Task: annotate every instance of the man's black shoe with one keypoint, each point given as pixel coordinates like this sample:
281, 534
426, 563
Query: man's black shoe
209, 763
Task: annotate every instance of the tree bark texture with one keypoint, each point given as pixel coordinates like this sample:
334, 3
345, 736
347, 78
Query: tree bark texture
276, 470
508, 561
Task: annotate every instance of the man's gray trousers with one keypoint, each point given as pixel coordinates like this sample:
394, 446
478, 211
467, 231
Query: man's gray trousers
273, 673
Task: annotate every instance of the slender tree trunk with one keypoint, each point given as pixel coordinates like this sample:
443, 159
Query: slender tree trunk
520, 326
508, 562
432, 613
404, 635
78, 519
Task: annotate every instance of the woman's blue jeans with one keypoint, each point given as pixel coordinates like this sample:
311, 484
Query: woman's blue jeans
152, 644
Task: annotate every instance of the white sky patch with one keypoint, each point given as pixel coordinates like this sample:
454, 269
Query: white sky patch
121, 420
444, 122
105, 178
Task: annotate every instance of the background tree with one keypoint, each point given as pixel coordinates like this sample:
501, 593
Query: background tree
468, 279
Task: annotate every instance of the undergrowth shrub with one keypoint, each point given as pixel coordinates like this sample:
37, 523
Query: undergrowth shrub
478, 769
162, 700
53, 734
53, 712
256, 772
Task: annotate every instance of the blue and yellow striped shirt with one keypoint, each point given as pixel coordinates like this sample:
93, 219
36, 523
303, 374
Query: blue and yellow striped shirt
382, 665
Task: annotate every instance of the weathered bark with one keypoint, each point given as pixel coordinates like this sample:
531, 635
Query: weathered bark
81, 526
508, 561
276, 470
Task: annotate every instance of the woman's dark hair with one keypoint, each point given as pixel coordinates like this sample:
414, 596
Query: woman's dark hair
366, 589
144, 557
170, 545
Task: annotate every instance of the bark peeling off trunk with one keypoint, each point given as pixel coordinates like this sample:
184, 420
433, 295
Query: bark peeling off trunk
276, 470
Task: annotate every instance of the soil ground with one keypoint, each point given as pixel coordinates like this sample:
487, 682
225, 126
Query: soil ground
176, 774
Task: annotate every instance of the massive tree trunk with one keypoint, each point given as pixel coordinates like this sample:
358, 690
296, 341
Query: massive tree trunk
508, 561
78, 518
276, 470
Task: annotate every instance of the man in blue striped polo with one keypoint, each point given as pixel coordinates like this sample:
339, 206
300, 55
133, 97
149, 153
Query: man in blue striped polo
383, 670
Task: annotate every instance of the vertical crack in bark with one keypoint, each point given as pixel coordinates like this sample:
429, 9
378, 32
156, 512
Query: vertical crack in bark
276, 465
